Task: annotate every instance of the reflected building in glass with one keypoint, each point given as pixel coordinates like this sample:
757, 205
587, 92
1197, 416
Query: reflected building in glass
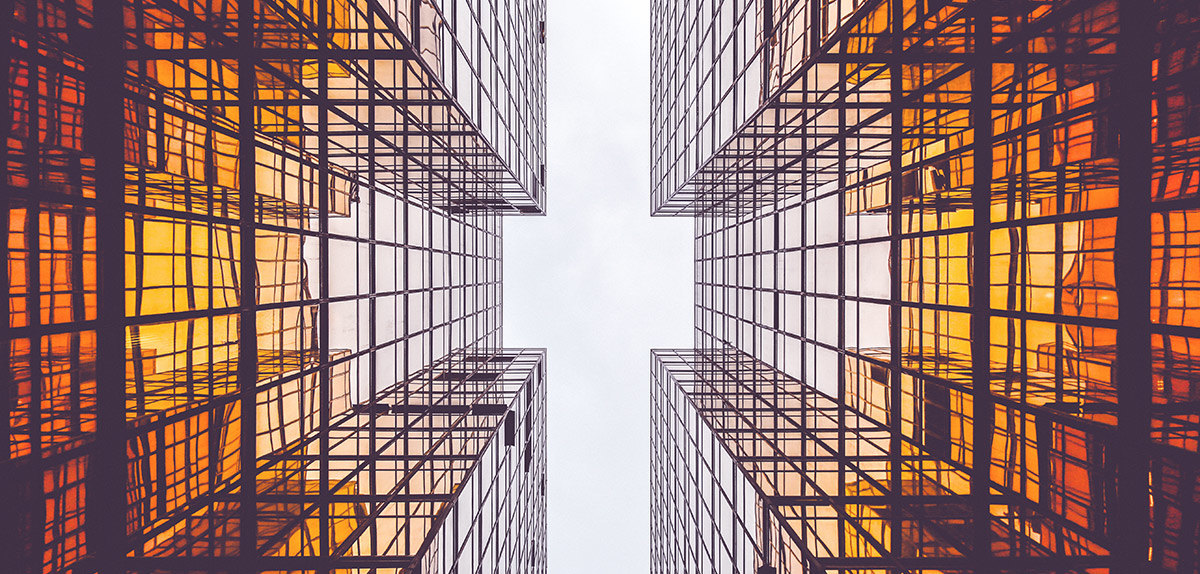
253, 264
946, 300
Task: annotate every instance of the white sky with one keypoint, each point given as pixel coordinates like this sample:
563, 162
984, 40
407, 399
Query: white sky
598, 282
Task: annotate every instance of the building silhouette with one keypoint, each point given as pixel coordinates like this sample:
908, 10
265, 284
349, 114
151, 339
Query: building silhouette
253, 292
946, 270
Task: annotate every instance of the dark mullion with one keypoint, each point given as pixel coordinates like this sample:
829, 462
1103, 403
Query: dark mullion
372, 198
8, 536
983, 413
247, 343
324, 173
896, 328
6, 206
1132, 257
106, 472
841, 338
33, 250
403, 207
806, 271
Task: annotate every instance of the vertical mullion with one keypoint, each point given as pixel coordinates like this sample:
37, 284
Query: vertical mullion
33, 254
1133, 369
247, 363
841, 341
324, 175
106, 485
404, 204
983, 410
372, 198
6, 206
896, 214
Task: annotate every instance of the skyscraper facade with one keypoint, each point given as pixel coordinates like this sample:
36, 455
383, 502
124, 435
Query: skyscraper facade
945, 304
253, 286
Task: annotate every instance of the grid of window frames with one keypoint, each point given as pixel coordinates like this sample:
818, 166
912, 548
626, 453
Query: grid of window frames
706, 511
232, 229
959, 297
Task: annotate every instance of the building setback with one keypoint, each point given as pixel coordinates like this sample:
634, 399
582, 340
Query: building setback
253, 291
947, 258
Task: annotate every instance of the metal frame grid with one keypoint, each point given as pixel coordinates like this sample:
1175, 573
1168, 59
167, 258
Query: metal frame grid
819, 475
979, 318
226, 226
705, 510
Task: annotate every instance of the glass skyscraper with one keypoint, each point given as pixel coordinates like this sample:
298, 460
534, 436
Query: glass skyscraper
253, 295
946, 270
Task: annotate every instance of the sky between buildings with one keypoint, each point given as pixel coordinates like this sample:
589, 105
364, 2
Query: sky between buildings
599, 283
